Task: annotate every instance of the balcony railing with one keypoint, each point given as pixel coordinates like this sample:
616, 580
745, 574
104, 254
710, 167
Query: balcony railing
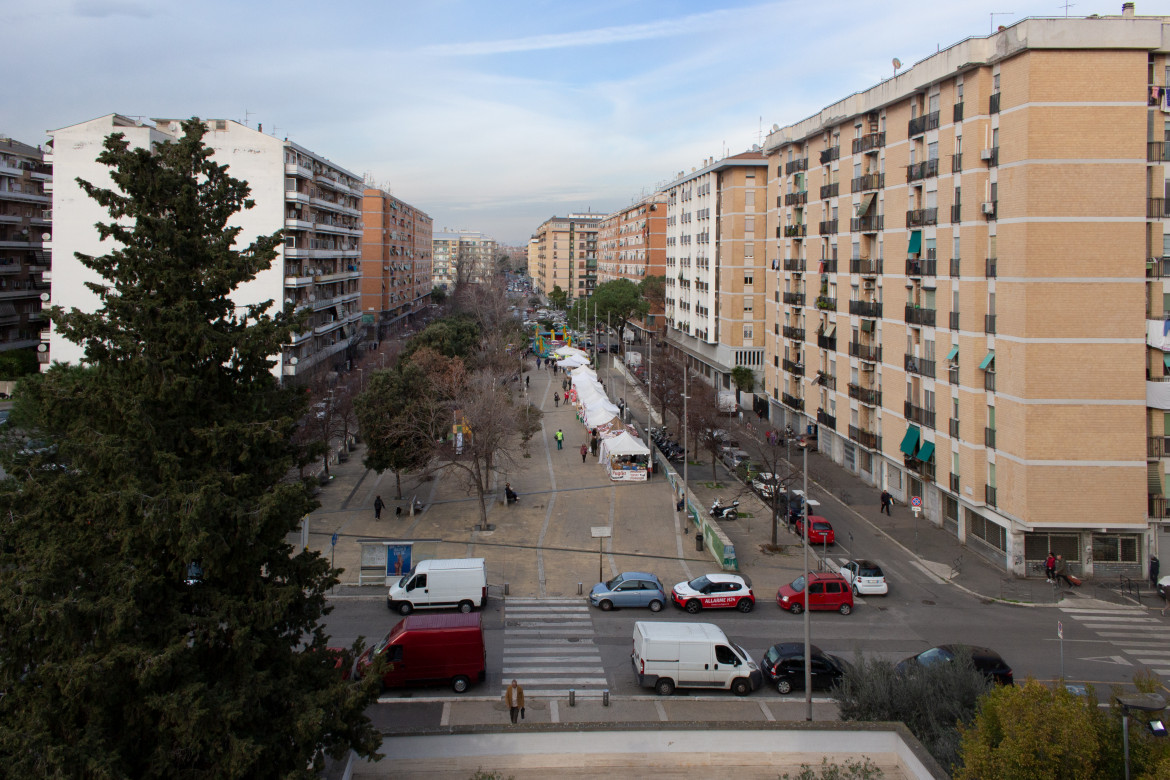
825, 380
867, 439
989, 381
916, 315
1157, 208
869, 352
794, 298
1159, 506
957, 115
866, 308
954, 320
795, 231
828, 227
827, 342
866, 266
830, 154
922, 170
870, 181
953, 483
792, 367
825, 303
993, 104
795, 166
920, 124
989, 323
989, 267
826, 419
793, 333
828, 265
989, 437
1158, 268
957, 212
869, 142
920, 366
921, 217
954, 427
866, 395
1157, 151
794, 264
1156, 446
830, 190
871, 224
792, 402
796, 198
953, 374
925, 266
991, 498
956, 266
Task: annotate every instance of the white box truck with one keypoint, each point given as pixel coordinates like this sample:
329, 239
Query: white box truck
726, 402
633, 359
432, 584
668, 655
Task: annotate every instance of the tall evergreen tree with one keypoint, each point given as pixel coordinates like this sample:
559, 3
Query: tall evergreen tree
154, 620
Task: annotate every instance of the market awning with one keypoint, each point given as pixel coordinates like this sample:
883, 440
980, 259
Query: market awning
910, 440
954, 353
915, 242
866, 202
926, 451
987, 360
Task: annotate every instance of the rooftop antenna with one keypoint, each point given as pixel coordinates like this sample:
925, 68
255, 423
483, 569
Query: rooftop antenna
1067, 5
247, 114
999, 13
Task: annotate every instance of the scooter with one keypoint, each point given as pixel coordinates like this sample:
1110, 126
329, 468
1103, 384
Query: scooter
720, 512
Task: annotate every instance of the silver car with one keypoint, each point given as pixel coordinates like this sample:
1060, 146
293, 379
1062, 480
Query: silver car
629, 589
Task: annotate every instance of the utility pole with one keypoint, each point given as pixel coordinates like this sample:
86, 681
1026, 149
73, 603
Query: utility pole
807, 624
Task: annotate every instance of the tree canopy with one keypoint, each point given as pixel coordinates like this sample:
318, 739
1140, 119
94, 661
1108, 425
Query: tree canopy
615, 303
557, 297
153, 618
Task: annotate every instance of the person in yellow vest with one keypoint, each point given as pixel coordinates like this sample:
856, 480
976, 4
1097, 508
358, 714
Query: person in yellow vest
560, 437
514, 698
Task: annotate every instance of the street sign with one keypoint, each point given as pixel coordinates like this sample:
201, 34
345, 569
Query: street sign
916, 502
1060, 629
333, 541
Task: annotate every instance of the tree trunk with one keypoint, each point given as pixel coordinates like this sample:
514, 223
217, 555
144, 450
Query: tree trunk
398, 483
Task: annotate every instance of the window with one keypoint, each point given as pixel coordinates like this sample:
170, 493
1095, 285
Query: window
1115, 548
747, 306
749, 199
747, 332
932, 149
749, 225
747, 280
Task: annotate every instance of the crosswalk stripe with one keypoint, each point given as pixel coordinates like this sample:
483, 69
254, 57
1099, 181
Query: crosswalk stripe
549, 646
513, 671
1091, 610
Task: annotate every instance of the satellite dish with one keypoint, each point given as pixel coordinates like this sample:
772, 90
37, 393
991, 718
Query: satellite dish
897, 64
775, 128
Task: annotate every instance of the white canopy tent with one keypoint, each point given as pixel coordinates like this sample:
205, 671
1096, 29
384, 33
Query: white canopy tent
595, 417
572, 361
625, 458
566, 351
583, 371
624, 444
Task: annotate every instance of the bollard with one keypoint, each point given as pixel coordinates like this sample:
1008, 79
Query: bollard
572, 697
605, 698
506, 589
580, 588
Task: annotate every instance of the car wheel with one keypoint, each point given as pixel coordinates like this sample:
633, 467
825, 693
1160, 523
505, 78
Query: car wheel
405, 608
605, 605
745, 605
856, 592
845, 609
784, 686
693, 606
797, 608
664, 686
460, 684
465, 606
655, 606
741, 687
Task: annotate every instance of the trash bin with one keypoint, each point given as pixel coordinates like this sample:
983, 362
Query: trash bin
654, 467
699, 542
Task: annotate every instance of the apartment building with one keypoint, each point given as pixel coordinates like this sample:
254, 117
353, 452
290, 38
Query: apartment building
566, 255
26, 183
962, 297
315, 202
632, 245
715, 262
465, 256
397, 242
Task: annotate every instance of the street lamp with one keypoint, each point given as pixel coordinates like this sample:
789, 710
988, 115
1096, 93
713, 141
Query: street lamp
807, 624
1142, 702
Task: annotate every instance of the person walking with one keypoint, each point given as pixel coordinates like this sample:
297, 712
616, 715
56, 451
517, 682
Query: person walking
526, 378
584, 451
887, 502
1050, 566
1062, 570
557, 400
560, 437
593, 442
514, 699
379, 505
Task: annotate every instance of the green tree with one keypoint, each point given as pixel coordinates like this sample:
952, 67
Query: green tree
18, 363
438, 295
118, 658
557, 297
392, 415
744, 379
456, 335
618, 302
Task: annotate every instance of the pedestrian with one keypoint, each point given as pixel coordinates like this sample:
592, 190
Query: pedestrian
887, 502
593, 443
584, 451
1050, 566
514, 698
526, 378
1154, 568
510, 496
379, 504
1062, 571
557, 400
560, 437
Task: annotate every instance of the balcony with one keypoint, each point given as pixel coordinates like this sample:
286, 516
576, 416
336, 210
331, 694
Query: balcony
792, 367
795, 231
989, 323
953, 375
828, 265
1157, 208
794, 299
920, 366
870, 181
989, 267
917, 414
957, 115
916, 315
1157, 151
869, 142
1156, 446
953, 484
830, 154
990, 156
921, 217
871, 224
795, 166
956, 265
866, 266
825, 303
792, 402
956, 212
926, 266
828, 227
866, 395
867, 439
827, 342
830, 190
1158, 268
826, 419
989, 437
793, 333
825, 380
993, 104
989, 381
866, 308
957, 162
922, 170
796, 198
869, 352
954, 427
991, 499
920, 124
794, 264
1159, 506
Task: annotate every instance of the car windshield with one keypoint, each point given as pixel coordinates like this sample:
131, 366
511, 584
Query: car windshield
618, 580
798, 585
772, 656
933, 656
381, 646
698, 583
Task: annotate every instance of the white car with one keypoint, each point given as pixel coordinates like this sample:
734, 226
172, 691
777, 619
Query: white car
865, 577
765, 483
712, 591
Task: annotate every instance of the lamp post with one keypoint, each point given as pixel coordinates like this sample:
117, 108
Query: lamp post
1142, 702
807, 624
685, 458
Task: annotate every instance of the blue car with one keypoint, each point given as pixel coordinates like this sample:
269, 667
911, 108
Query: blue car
629, 589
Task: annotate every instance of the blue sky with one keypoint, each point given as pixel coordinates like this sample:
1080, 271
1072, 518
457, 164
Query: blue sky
489, 115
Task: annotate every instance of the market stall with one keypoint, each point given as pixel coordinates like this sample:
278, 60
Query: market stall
625, 457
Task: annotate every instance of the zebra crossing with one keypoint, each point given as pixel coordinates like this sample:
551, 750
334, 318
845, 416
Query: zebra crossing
1137, 633
549, 647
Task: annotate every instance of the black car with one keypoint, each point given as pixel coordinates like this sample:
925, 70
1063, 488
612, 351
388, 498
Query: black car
783, 665
985, 660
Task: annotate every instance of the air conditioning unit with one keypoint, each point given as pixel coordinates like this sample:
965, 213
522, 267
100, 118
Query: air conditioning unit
989, 207
985, 154
867, 285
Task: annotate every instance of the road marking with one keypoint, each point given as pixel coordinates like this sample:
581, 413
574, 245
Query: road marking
768, 716
549, 647
661, 711
554, 711
445, 719
552, 500
1110, 659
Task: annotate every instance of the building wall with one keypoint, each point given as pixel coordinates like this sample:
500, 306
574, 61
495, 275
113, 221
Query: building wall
566, 254
25, 242
396, 259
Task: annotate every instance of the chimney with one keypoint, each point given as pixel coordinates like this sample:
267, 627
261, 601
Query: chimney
1127, 10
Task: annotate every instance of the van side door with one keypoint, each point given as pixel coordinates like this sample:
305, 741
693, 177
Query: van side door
417, 591
727, 666
395, 672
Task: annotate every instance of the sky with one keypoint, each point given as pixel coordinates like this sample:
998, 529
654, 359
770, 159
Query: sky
488, 115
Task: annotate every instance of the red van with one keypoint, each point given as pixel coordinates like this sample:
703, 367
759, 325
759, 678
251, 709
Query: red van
431, 649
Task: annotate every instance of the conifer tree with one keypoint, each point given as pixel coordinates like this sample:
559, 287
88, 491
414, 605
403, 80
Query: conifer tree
154, 620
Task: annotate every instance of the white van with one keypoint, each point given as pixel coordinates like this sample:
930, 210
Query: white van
454, 582
691, 655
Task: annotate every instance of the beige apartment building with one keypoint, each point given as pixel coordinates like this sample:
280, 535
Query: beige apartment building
966, 292
631, 244
566, 255
462, 256
716, 242
26, 195
396, 260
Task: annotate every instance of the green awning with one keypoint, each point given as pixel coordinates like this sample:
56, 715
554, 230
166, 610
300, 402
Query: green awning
954, 353
910, 440
926, 451
915, 242
987, 360
866, 202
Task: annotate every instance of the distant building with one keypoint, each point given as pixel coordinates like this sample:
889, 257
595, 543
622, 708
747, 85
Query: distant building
566, 255
25, 241
465, 256
317, 204
396, 260
632, 245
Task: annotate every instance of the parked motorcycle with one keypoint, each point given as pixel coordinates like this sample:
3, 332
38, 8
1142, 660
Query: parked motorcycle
721, 512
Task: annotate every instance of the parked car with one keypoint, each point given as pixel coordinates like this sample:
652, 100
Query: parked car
765, 484
865, 577
820, 530
712, 591
985, 660
826, 591
669, 655
783, 665
629, 589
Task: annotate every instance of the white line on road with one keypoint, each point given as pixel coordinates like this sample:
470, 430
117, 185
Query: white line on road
661, 711
554, 711
552, 500
445, 720
768, 716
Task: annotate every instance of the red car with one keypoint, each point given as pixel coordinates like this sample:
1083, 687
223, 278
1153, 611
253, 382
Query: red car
819, 530
825, 591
